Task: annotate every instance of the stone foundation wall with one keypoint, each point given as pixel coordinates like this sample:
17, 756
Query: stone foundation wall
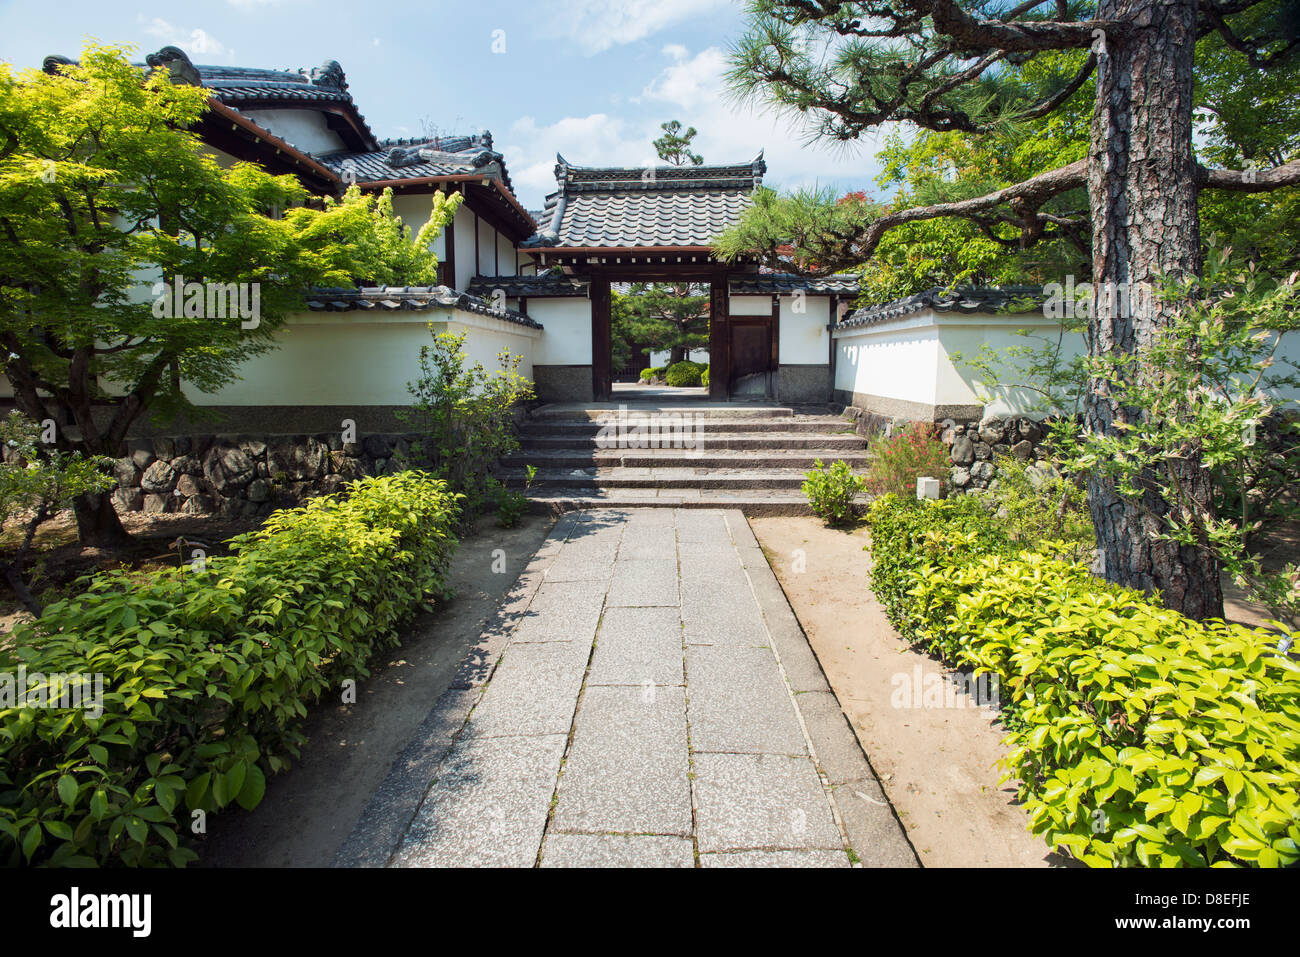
562, 383
973, 446
246, 476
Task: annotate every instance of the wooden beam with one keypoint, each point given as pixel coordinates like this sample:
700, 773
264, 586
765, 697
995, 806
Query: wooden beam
450, 233
776, 333
601, 374
719, 336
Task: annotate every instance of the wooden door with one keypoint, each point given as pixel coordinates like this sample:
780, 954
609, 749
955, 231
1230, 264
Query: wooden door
751, 348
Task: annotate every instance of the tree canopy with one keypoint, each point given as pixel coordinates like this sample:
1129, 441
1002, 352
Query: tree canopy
106, 199
672, 316
1127, 199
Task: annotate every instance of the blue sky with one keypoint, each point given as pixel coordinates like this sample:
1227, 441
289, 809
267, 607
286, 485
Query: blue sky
591, 79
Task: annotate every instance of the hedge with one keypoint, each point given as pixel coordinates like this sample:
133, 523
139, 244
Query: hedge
1138, 736
684, 373
208, 672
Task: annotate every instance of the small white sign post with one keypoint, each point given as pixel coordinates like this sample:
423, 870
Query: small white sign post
927, 487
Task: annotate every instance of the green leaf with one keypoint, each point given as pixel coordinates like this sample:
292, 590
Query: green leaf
254, 788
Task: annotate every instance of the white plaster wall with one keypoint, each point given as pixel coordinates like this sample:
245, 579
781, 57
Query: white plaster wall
750, 305
487, 249
922, 358
960, 340
304, 129
897, 360
486, 338
466, 245
567, 339
353, 358
415, 211
803, 334
506, 265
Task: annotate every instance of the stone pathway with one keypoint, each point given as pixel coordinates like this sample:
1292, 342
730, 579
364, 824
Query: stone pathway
644, 697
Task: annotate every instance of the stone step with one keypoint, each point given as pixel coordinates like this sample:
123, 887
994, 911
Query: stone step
657, 478
802, 441
720, 410
637, 423
769, 502
658, 458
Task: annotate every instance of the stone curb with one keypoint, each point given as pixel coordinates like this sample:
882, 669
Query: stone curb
873, 829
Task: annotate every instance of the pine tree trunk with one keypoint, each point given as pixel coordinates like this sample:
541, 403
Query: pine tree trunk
676, 355
1143, 194
97, 523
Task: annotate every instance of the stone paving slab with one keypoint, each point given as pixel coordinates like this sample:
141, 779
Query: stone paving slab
638, 645
392, 807
563, 611
533, 691
775, 859
644, 697
649, 542
769, 801
617, 850
704, 626
639, 582
702, 526
487, 807
627, 768
739, 702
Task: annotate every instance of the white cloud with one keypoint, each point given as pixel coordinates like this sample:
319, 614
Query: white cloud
597, 25
690, 88
693, 89
594, 140
196, 42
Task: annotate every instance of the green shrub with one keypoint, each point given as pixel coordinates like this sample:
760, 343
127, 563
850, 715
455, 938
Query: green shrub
1041, 505
1138, 736
831, 492
511, 505
656, 372
464, 414
208, 672
684, 373
897, 461
704, 376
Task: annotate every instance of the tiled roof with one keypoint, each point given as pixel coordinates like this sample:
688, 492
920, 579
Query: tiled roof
409, 298
964, 299
629, 207
420, 159
776, 283
234, 85
547, 285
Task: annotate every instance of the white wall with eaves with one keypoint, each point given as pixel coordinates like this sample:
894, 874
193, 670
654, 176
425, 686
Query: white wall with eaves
356, 358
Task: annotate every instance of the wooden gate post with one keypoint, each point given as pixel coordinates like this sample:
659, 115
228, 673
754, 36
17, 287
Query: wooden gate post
602, 376
719, 336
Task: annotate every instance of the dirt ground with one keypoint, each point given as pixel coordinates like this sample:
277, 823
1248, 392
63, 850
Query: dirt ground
936, 764
309, 810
